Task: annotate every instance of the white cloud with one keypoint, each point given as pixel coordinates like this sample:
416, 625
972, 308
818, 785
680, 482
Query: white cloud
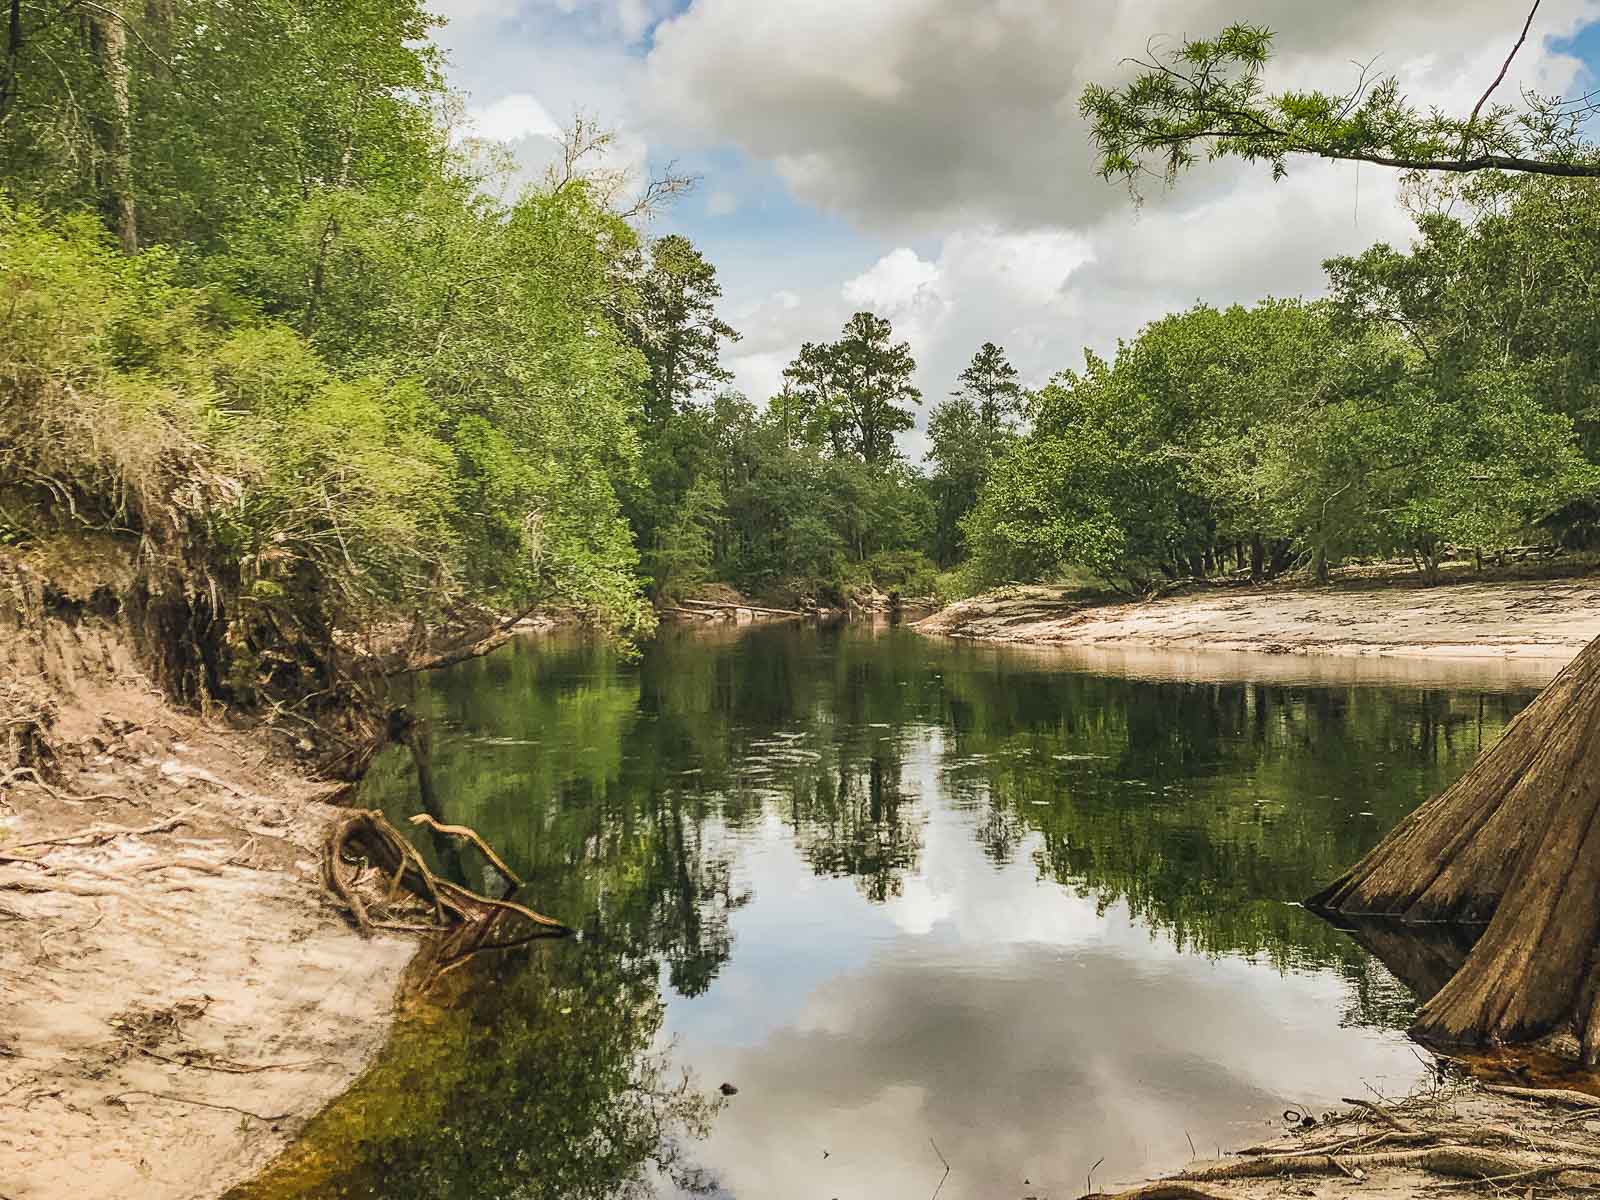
915, 115
722, 203
895, 283
512, 118
984, 285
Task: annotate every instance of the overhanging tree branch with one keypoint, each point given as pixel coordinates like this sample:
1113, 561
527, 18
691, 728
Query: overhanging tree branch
1206, 98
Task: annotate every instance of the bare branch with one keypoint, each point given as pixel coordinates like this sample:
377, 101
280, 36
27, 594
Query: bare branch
1504, 67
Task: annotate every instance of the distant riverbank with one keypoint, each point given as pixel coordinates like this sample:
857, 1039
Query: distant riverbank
1542, 621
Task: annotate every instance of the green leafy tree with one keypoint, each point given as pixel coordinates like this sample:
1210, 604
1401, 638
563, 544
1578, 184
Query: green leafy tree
855, 394
675, 327
966, 434
177, 122
877, 388
684, 552
989, 381
1206, 98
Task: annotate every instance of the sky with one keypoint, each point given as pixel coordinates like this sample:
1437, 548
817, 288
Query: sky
925, 158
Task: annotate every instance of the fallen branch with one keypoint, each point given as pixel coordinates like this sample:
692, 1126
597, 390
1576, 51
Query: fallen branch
1166, 1189
488, 642
1562, 1096
1381, 1114
1456, 1160
725, 606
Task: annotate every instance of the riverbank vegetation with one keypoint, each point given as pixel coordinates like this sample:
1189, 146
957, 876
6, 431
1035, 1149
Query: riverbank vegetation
1434, 400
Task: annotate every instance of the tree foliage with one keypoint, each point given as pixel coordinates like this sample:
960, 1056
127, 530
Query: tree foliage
967, 433
853, 395
1206, 98
673, 322
1287, 432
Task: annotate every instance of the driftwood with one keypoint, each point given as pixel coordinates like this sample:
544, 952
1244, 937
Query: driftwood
728, 606
470, 922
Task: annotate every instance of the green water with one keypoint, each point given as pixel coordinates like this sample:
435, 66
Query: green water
904, 894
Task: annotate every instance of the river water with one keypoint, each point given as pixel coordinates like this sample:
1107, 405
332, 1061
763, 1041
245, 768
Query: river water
921, 902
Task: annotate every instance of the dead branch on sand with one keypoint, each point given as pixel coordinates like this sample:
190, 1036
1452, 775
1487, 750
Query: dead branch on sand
1561, 1096
100, 834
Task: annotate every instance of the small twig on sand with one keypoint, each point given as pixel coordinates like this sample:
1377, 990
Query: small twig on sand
946, 1174
117, 1099
227, 1066
100, 834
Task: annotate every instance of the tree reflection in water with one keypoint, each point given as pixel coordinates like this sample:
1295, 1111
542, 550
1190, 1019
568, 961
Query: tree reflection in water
535, 1078
623, 791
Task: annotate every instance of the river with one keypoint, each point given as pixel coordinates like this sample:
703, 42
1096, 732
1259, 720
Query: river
920, 902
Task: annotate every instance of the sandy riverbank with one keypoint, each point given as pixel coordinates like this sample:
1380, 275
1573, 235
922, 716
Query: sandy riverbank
1540, 621
1453, 1136
177, 994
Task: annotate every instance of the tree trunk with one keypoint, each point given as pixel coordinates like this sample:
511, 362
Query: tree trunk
8, 73
111, 35
1514, 843
1258, 559
1282, 550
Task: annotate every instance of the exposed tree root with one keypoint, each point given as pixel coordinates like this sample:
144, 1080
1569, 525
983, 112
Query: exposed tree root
1407, 1138
181, 863
87, 890
471, 922
32, 776
461, 831
1513, 845
269, 1118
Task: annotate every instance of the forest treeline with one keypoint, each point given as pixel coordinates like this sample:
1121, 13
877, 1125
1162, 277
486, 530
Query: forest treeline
272, 321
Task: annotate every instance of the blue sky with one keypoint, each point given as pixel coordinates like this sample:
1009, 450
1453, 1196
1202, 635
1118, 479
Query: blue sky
925, 157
